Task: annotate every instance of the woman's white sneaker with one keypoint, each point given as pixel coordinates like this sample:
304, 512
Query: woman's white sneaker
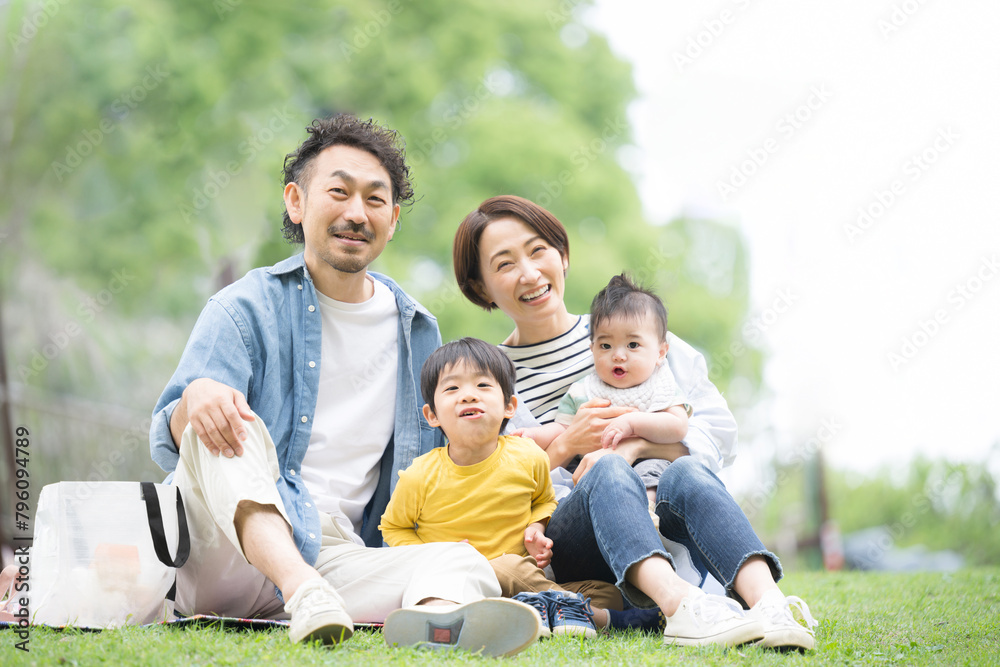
781, 628
703, 620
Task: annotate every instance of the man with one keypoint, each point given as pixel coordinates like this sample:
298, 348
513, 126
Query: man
304, 377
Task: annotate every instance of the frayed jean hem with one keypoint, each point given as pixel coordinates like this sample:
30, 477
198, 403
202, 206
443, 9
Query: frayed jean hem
772, 562
633, 595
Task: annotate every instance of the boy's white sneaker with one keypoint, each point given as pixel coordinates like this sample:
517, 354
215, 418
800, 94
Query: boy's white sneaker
781, 628
318, 614
494, 626
702, 620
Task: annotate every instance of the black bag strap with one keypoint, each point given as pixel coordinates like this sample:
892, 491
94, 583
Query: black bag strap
152, 501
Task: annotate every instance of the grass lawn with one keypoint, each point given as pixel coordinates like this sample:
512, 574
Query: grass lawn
907, 619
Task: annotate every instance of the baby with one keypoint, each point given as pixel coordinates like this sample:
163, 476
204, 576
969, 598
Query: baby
628, 334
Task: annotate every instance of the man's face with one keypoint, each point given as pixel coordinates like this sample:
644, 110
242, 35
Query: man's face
345, 209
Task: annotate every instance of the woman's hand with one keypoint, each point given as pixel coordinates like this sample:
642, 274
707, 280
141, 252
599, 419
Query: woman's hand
583, 435
627, 449
631, 449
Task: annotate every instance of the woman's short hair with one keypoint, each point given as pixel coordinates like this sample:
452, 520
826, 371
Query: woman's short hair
465, 250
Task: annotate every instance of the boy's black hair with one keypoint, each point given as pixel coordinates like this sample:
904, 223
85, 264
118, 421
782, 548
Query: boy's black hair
623, 298
478, 354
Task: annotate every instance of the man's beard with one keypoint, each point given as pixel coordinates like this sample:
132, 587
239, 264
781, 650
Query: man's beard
350, 263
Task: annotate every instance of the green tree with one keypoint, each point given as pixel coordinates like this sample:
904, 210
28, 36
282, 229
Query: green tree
142, 145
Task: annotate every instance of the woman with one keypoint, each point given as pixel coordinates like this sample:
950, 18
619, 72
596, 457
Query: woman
512, 254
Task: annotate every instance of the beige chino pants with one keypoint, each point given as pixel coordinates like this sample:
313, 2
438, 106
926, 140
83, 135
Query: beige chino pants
218, 580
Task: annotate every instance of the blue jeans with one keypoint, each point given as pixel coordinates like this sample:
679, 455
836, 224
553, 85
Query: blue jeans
696, 510
603, 527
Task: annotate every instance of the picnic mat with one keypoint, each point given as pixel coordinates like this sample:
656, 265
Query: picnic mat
229, 623
224, 622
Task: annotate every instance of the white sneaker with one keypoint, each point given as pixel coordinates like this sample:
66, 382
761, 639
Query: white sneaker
494, 626
702, 620
318, 614
781, 628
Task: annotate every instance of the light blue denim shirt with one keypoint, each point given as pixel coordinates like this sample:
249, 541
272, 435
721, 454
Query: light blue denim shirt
261, 335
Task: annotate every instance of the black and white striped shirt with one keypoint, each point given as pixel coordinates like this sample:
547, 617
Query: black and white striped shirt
546, 370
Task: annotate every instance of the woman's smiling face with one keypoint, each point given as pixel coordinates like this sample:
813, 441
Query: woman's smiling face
522, 273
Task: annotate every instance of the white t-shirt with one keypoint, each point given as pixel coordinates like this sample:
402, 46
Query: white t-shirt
355, 405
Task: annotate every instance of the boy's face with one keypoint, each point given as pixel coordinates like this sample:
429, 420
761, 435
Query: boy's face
626, 352
469, 405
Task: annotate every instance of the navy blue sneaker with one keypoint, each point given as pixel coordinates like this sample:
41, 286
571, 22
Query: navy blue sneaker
570, 614
646, 620
540, 604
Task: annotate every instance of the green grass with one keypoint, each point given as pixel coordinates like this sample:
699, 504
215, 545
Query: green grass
905, 619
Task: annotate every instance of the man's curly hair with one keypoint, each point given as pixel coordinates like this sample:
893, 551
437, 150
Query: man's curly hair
345, 129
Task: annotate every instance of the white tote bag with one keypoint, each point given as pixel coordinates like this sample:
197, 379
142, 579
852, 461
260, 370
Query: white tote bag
101, 553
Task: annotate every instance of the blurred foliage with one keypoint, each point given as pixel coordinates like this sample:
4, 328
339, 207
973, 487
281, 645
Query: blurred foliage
142, 145
938, 504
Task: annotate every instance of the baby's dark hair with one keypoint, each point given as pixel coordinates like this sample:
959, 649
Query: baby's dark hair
478, 354
623, 298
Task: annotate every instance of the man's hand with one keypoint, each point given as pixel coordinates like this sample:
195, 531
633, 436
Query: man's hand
538, 546
216, 412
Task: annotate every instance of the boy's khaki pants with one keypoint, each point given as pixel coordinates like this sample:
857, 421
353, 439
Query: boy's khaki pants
520, 574
218, 580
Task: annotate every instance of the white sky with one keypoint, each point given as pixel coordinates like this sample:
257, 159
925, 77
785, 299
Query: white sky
879, 98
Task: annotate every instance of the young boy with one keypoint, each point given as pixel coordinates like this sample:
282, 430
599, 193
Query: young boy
628, 337
490, 490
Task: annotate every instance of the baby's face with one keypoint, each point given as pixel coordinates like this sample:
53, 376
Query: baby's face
626, 351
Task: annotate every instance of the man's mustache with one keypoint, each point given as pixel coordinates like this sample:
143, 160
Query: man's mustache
351, 228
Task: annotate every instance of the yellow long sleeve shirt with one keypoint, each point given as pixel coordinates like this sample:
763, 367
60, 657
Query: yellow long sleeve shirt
489, 503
